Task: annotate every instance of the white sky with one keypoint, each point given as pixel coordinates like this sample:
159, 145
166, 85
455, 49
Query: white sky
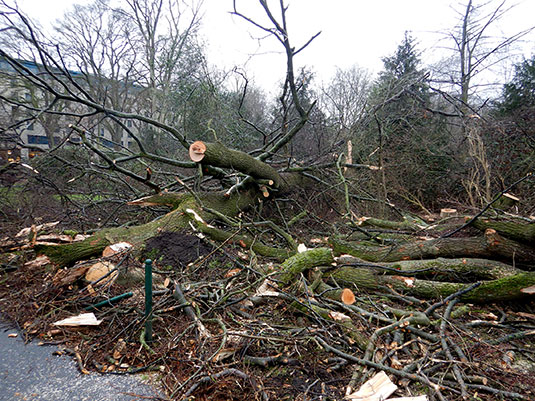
357, 32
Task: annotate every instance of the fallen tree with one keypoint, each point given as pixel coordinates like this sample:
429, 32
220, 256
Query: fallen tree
329, 291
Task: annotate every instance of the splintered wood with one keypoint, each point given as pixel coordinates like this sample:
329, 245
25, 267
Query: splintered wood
379, 388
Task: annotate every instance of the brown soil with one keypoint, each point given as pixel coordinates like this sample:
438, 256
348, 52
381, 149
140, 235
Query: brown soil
176, 249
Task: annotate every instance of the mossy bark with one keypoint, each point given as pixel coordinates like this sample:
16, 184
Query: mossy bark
176, 220
218, 155
524, 232
504, 289
490, 246
444, 268
300, 262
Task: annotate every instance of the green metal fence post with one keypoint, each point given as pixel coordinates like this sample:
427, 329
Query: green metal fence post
148, 300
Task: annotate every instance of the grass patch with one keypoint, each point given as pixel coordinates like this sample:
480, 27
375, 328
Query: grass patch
80, 197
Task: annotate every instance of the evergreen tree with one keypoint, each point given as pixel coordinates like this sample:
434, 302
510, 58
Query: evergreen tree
520, 92
410, 142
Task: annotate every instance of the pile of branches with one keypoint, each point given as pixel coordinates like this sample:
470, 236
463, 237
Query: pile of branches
440, 316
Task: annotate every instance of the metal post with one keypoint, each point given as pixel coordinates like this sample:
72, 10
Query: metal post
148, 300
110, 302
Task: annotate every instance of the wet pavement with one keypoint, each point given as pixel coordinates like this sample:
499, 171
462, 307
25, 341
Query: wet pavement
31, 372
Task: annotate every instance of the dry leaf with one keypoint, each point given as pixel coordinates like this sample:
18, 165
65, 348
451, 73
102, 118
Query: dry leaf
348, 297
119, 348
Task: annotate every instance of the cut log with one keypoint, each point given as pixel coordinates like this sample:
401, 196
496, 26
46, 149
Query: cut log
519, 231
447, 212
218, 155
490, 246
460, 269
196, 151
504, 289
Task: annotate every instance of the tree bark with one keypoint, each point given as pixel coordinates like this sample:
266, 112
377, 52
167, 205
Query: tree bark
176, 220
465, 269
490, 246
519, 231
218, 155
504, 289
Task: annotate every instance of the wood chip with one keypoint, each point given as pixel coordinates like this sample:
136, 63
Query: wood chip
114, 249
378, 388
84, 319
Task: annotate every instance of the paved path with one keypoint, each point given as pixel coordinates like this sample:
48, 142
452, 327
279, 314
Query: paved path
31, 372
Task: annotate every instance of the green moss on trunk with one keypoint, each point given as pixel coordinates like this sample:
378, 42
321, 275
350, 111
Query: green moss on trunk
176, 220
504, 289
300, 262
218, 155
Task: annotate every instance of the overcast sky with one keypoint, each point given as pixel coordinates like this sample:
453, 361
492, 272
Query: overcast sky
353, 32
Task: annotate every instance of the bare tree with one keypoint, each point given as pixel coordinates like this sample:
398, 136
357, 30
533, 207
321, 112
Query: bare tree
345, 99
476, 50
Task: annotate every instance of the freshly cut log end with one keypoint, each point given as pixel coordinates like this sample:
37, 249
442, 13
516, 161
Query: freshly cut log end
447, 212
196, 151
348, 297
264, 191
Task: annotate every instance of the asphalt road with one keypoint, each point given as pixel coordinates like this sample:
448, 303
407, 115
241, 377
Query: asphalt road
31, 372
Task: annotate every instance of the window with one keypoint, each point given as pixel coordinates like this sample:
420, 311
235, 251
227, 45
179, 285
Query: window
107, 143
37, 140
30, 127
129, 123
102, 132
28, 96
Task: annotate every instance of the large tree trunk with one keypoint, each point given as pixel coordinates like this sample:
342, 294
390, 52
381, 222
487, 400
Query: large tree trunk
490, 246
176, 220
519, 231
503, 289
512, 284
